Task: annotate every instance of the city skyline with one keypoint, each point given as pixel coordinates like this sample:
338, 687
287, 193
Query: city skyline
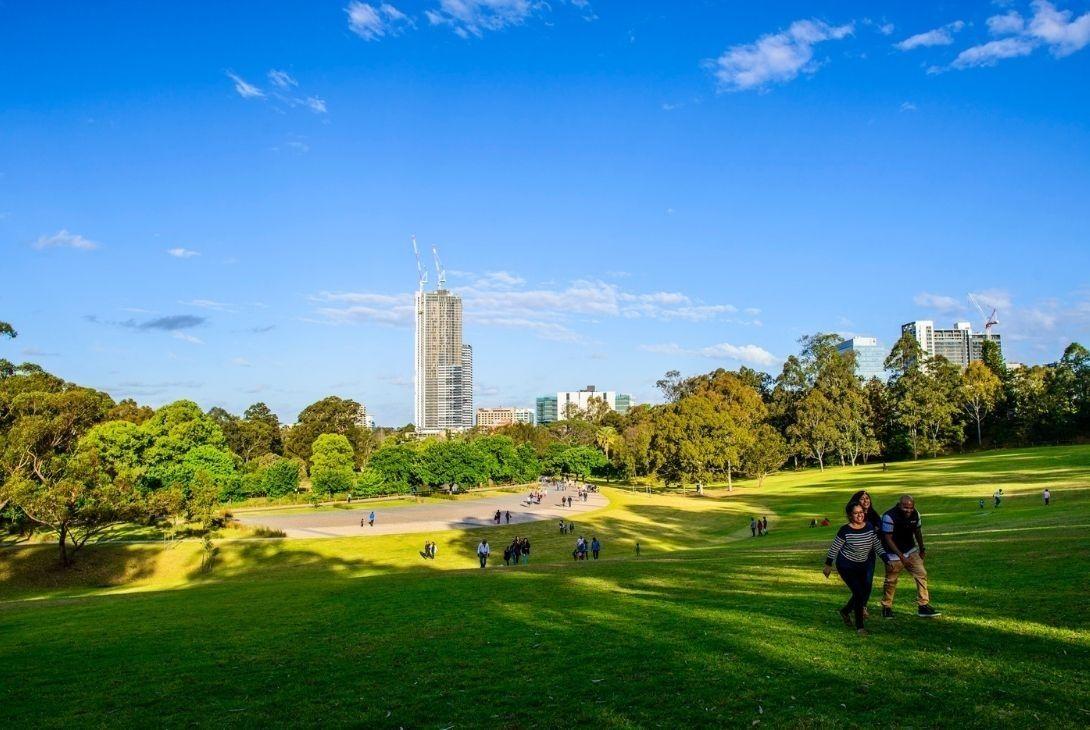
620, 190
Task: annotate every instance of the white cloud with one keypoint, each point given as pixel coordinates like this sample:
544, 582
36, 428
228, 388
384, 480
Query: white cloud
188, 338
475, 17
64, 239
992, 52
996, 298
244, 88
937, 301
372, 23
183, 253
1056, 28
315, 104
886, 29
1060, 30
908, 106
207, 304
1009, 22
938, 37
499, 299
241, 362
282, 79
752, 354
776, 57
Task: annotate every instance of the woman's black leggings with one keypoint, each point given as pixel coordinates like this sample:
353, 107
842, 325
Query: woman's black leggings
858, 577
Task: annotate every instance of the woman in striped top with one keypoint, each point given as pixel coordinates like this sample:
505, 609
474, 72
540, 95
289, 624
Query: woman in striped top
853, 551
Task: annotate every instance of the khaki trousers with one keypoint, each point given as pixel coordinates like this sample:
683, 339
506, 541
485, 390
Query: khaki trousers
914, 565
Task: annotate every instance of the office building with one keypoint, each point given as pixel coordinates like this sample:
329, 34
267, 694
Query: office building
545, 410
495, 417
443, 373
959, 345
622, 403
870, 357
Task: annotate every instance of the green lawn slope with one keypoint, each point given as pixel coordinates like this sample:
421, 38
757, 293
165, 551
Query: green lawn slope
710, 627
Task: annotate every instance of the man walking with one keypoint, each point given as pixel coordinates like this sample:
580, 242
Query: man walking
903, 539
753, 526
1047, 496
595, 547
371, 518
483, 551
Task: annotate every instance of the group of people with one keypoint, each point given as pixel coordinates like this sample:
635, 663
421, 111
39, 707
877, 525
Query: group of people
566, 527
824, 522
517, 552
428, 553
369, 519
897, 538
502, 515
535, 497
758, 527
595, 547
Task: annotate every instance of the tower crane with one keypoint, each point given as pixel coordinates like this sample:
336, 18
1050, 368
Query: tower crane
439, 268
421, 272
989, 319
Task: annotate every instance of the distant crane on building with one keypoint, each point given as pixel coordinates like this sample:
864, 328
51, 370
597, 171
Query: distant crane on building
439, 268
421, 272
989, 319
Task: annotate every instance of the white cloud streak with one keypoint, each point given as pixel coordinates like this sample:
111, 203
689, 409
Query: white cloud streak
476, 17
244, 88
371, 22
64, 239
776, 57
183, 253
943, 36
1059, 30
751, 354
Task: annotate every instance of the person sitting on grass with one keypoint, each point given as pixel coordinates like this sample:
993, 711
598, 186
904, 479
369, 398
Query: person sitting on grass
853, 551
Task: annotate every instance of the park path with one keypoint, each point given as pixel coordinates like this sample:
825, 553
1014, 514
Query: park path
431, 517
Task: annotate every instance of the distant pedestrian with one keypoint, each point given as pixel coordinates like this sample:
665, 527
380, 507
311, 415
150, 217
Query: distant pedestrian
764, 525
637, 548
507, 515
981, 503
998, 497
595, 547
371, 518
496, 517
1047, 495
562, 528
483, 552
525, 551
507, 555
753, 526
434, 549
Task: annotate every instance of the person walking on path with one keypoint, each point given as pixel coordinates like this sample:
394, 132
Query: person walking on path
525, 551
753, 526
483, 551
595, 547
903, 537
853, 551
507, 516
371, 518
1047, 495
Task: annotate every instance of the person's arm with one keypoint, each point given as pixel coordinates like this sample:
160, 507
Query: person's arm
919, 534
887, 539
834, 550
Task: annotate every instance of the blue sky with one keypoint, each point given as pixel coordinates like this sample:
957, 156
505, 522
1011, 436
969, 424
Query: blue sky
215, 201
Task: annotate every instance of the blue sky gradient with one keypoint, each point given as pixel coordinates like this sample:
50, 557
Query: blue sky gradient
216, 201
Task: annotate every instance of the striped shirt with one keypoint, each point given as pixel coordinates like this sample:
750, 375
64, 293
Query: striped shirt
855, 546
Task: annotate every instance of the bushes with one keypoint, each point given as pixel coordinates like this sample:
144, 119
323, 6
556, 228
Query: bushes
331, 464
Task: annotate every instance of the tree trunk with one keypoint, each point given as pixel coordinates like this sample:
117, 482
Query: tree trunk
64, 545
730, 484
979, 443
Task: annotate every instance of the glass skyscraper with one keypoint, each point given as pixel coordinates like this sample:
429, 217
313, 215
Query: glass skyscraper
870, 357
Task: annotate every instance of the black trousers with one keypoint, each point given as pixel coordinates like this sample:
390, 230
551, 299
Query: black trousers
859, 579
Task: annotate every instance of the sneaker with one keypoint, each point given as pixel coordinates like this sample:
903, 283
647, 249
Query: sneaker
847, 616
887, 612
862, 632
927, 611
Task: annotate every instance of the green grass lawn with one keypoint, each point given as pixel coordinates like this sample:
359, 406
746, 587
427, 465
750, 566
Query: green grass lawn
709, 628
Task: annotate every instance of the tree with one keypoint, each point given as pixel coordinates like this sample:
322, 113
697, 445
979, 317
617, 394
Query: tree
76, 498
672, 386
280, 478
767, 451
6, 330
329, 415
398, 465
979, 391
332, 461
815, 426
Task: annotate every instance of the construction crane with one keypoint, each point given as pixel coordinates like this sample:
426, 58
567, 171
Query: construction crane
421, 272
989, 319
439, 268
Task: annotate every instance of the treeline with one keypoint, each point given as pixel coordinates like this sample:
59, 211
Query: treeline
75, 461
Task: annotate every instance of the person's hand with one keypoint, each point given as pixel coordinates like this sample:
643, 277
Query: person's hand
922, 553
827, 570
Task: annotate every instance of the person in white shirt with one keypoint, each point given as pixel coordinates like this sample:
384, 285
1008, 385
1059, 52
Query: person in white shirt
483, 552
1047, 496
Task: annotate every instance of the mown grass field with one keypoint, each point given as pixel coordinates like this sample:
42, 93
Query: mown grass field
710, 627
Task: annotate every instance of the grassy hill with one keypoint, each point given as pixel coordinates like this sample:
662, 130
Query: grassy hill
709, 627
